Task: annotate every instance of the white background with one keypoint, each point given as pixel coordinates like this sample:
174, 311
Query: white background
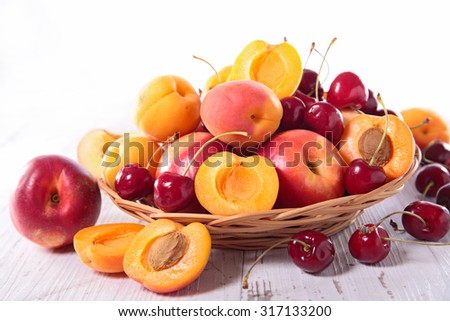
69, 66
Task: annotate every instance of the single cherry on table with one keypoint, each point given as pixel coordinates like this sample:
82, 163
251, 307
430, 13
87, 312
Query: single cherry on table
430, 178
369, 244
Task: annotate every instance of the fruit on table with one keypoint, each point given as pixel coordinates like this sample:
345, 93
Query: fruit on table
430, 178
227, 184
443, 196
54, 198
278, 66
166, 256
167, 105
369, 244
129, 149
244, 105
102, 247
310, 250
437, 152
92, 147
347, 90
435, 129
179, 154
326, 120
133, 182
436, 217
309, 167
363, 134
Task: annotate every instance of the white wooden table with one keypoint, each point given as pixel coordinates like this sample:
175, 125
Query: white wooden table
55, 92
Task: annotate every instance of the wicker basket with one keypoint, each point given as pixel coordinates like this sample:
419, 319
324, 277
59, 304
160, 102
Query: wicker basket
250, 231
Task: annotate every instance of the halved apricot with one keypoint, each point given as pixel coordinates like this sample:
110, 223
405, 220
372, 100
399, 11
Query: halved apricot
102, 247
278, 66
227, 184
363, 134
166, 256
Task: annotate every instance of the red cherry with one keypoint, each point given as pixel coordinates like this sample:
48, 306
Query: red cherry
293, 113
371, 106
307, 100
133, 182
312, 251
361, 178
368, 244
308, 84
173, 192
436, 217
443, 196
347, 90
437, 152
430, 178
326, 120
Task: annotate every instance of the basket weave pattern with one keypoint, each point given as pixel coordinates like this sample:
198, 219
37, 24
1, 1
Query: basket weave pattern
250, 231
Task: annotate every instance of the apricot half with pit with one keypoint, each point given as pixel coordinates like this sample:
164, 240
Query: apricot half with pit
363, 134
228, 184
166, 256
277, 66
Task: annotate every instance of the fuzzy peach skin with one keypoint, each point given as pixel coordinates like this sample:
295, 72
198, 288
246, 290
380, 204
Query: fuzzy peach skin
241, 105
167, 105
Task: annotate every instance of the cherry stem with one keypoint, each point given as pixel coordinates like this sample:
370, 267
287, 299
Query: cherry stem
422, 123
313, 45
219, 79
415, 242
380, 144
200, 150
170, 140
306, 247
427, 189
321, 66
402, 212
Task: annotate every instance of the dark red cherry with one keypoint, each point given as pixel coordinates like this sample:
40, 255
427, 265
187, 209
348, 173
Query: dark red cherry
430, 178
381, 112
308, 84
361, 178
293, 113
347, 90
368, 244
326, 120
307, 100
133, 182
443, 196
173, 192
437, 152
312, 251
436, 217
371, 105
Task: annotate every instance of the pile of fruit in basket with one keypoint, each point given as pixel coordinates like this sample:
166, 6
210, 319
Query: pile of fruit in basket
262, 134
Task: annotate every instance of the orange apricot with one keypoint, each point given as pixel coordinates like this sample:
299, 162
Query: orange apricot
278, 66
435, 129
102, 247
166, 256
363, 134
227, 184
91, 149
129, 149
167, 105
213, 81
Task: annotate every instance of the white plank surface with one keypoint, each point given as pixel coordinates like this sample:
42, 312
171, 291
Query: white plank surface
60, 78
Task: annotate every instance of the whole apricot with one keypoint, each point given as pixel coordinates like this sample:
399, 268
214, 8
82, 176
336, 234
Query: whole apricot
167, 105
